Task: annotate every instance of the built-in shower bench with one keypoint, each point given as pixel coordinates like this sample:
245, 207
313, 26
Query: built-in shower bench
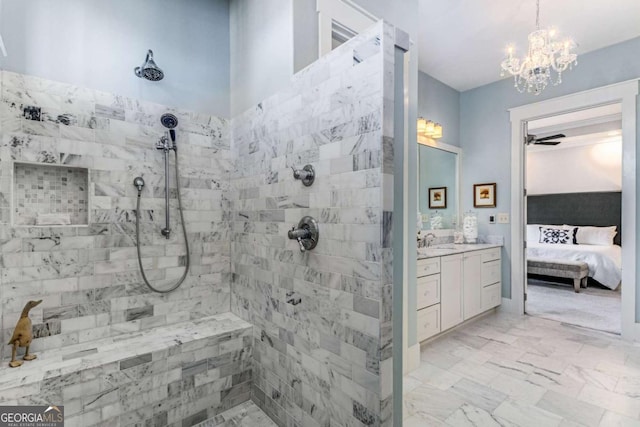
175, 375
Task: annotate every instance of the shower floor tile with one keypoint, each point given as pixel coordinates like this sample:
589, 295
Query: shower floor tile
246, 414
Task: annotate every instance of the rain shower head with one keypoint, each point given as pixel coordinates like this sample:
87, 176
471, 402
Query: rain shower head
149, 70
169, 121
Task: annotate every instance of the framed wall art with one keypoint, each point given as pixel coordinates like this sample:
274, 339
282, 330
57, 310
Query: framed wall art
484, 195
438, 198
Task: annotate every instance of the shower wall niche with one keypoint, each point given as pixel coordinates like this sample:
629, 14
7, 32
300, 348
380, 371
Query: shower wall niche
50, 195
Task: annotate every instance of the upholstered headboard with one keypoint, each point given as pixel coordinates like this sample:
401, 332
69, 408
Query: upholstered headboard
599, 209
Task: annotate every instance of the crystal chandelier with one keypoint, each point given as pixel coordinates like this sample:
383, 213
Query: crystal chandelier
546, 57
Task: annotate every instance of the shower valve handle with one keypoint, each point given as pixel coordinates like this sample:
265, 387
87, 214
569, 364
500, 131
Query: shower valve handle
307, 175
302, 248
306, 233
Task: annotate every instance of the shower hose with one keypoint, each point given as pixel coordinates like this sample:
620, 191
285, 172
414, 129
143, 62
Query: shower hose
184, 232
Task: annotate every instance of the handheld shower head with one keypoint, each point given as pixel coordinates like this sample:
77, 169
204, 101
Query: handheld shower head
149, 70
169, 121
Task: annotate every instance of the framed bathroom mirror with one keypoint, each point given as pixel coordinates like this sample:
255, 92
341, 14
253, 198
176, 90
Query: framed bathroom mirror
439, 184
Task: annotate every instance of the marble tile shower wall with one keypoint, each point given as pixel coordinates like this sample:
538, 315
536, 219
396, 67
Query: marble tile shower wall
322, 319
88, 276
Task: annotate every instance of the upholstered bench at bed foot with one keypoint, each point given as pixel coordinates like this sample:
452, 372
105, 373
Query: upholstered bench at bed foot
576, 270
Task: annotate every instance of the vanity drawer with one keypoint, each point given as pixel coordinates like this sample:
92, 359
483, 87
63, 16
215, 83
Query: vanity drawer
428, 288
491, 296
428, 322
490, 272
491, 254
428, 266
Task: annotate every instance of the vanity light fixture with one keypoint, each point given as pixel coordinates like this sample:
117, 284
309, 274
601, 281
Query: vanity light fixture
437, 131
429, 129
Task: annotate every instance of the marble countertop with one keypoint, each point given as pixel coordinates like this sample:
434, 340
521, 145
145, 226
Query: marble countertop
451, 249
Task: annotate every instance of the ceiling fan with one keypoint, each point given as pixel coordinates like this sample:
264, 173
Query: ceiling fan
547, 140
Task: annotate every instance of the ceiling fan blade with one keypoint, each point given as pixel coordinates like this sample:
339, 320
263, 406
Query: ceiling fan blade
540, 142
546, 138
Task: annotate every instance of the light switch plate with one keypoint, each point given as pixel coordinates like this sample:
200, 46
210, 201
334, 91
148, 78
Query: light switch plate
425, 217
503, 218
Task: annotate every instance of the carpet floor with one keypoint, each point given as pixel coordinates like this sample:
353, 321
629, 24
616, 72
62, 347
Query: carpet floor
594, 308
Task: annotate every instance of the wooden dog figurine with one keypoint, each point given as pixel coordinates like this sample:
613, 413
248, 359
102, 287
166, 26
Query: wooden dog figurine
23, 335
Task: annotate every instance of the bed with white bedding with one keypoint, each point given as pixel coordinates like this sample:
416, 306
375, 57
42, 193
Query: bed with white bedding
604, 261
596, 218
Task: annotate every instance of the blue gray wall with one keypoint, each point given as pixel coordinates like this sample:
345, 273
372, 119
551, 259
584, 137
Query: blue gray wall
96, 44
440, 103
485, 129
261, 51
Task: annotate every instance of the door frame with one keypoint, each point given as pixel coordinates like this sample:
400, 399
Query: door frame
625, 93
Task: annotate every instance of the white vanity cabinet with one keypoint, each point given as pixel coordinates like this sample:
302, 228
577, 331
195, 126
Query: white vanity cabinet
428, 297
454, 288
472, 305
490, 274
451, 283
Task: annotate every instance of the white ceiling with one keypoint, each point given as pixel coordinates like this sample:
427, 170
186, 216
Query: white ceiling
462, 42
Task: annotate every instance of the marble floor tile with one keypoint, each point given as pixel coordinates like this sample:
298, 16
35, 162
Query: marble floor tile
593, 377
611, 419
246, 414
478, 395
409, 383
525, 415
519, 371
429, 402
422, 421
612, 401
440, 359
471, 416
629, 386
433, 376
562, 384
474, 371
571, 409
509, 367
517, 389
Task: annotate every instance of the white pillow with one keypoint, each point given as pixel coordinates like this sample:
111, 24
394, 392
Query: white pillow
596, 235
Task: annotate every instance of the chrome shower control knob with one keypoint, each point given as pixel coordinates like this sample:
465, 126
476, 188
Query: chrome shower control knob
307, 175
307, 233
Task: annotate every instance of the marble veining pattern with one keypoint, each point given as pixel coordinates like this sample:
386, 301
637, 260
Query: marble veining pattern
176, 375
322, 319
321, 348
524, 371
88, 276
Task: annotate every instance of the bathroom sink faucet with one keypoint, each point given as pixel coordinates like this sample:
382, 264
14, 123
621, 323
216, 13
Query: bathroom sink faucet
429, 238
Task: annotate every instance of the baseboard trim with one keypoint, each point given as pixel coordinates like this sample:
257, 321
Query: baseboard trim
412, 359
508, 306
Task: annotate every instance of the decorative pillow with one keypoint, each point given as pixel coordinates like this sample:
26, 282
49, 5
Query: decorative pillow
533, 231
563, 236
596, 235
